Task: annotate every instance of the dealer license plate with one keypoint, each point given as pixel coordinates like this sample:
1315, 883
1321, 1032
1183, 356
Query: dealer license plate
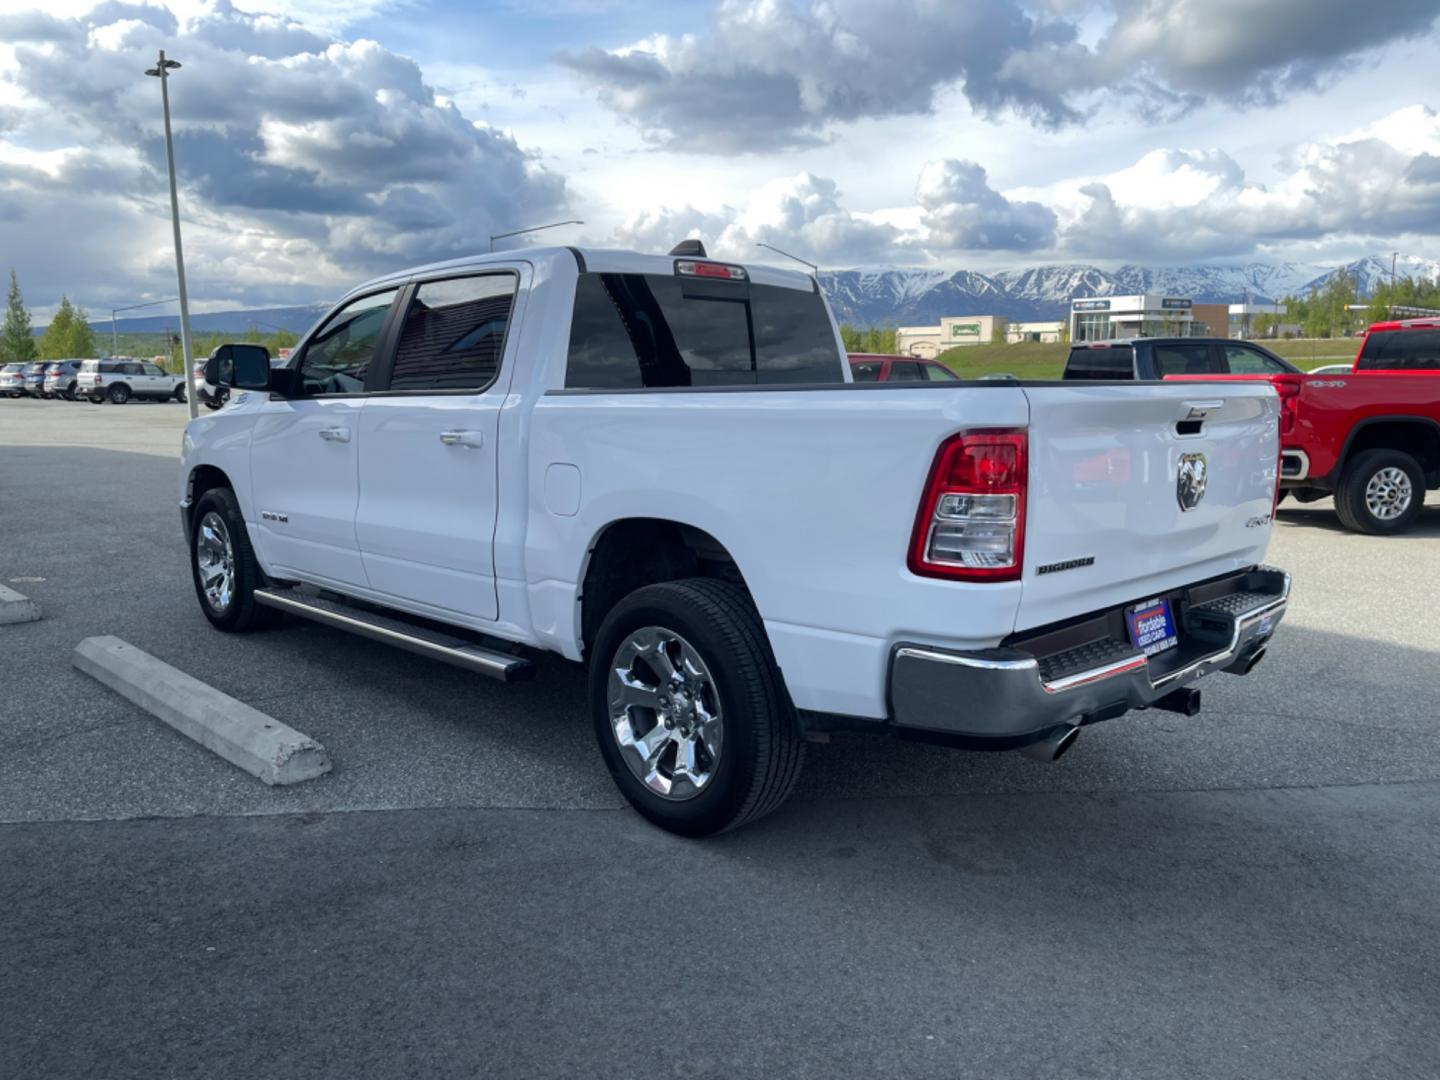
1152, 626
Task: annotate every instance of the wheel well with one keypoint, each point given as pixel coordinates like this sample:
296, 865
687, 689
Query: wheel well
636, 552
205, 478
1417, 438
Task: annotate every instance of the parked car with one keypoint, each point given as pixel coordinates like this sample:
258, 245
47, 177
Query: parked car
31, 381
61, 379
117, 381
1369, 436
660, 466
11, 376
1155, 358
874, 367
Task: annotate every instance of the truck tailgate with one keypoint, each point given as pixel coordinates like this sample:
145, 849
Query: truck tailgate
1104, 522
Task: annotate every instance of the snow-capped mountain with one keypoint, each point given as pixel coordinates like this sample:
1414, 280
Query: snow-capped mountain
904, 297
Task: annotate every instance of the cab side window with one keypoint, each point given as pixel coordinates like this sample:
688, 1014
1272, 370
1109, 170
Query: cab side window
151, 369
865, 371
1244, 361
337, 357
454, 334
1184, 359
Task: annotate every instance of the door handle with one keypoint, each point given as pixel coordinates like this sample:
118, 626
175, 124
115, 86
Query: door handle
335, 434
472, 440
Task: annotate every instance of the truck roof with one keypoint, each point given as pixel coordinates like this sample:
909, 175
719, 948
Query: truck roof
1111, 343
604, 260
1405, 324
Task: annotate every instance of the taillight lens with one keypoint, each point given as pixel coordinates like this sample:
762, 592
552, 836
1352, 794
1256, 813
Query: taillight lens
1289, 401
971, 524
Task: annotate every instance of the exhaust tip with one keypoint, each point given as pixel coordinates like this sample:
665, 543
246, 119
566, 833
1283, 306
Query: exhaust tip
1255, 658
1053, 744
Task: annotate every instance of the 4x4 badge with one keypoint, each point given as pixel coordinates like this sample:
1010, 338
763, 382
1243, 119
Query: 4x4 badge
1190, 483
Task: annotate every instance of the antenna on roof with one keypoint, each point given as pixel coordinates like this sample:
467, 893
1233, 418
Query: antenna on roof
689, 249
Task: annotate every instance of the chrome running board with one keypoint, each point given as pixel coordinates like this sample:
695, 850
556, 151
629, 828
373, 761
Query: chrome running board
398, 631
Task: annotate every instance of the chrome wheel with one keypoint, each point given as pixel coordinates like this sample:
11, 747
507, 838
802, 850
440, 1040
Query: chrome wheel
1389, 493
215, 560
665, 713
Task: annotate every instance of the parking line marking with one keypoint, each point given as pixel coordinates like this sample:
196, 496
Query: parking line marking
16, 607
243, 736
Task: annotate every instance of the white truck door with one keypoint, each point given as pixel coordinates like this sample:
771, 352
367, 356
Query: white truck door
428, 447
304, 452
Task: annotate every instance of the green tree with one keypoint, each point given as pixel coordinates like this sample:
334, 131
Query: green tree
17, 343
55, 341
81, 342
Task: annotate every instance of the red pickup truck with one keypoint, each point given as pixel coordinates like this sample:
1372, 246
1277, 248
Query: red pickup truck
1370, 438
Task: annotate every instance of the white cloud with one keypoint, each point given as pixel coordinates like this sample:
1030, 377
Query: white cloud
318, 161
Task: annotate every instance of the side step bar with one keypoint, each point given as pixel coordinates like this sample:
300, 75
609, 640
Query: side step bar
399, 632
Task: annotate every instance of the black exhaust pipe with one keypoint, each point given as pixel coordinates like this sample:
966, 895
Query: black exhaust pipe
1185, 701
1255, 658
1052, 745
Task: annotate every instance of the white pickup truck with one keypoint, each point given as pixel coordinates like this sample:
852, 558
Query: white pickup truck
658, 465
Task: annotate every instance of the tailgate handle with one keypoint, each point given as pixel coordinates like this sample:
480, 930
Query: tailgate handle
1199, 410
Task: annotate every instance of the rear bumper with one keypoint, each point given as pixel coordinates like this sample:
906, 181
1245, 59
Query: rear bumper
1025, 689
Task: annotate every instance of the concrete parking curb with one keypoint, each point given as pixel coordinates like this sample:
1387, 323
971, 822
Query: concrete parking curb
245, 737
16, 608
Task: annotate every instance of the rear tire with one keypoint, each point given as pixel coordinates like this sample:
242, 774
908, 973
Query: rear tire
1382, 493
736, 688
119, 395
223, 565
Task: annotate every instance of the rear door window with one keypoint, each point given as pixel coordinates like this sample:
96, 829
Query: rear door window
655, 330
905, 371
866, 371
454, 334
1111, 362
1186, 359
1401, 350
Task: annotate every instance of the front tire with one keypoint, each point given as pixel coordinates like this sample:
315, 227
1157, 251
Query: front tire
1382, 493
690, 711
179, 394
119, 395
223, 565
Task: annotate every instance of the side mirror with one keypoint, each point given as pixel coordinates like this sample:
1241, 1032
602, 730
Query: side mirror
245, 367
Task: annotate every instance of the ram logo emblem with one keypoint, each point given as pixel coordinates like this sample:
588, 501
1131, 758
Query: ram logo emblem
1190, 483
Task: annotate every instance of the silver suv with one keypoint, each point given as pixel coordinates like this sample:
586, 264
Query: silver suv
117, 381
60, 379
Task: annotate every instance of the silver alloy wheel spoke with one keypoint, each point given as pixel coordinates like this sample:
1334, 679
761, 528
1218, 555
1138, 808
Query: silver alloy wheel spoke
215, 561
1389, 493
665, 713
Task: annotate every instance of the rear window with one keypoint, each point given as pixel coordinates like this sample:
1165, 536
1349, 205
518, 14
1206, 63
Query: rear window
1401, 350
1111, 362
647, 330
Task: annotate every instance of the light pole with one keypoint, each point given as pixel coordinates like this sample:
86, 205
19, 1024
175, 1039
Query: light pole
161, 71
804, 262
114, 335
533, 228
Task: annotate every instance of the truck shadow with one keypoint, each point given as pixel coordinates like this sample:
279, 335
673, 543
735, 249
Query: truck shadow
1321, 515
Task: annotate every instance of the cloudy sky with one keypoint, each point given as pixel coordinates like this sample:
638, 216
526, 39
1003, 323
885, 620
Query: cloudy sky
322, 141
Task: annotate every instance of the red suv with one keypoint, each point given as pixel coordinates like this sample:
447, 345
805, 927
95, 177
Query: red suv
874, 367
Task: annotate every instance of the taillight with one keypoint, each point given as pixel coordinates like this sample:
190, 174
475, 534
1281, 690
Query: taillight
971, 524
1289, 402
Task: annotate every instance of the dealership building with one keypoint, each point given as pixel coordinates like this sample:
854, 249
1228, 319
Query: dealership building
929, 341
1100, 318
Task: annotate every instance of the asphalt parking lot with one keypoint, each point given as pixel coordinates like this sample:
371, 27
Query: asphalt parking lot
1247, 893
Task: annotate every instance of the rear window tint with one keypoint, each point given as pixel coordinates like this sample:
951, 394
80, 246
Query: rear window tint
1185, 360
1112, 362
1401, 350
650, 330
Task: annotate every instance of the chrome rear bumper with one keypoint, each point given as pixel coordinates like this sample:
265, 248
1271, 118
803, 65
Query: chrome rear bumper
1013, 694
